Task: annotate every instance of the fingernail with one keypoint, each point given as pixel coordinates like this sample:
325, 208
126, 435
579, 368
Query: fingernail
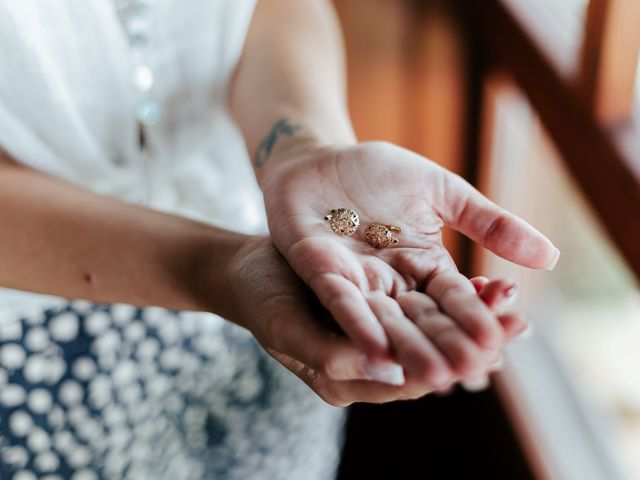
444, 392
556, 256
442, 382
526, 333
383, 371
510, 292
498, 364
476, 385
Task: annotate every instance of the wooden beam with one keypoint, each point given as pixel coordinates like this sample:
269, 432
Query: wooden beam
609, 59
607, 172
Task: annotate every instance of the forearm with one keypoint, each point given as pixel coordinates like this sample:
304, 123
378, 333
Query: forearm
62, 240
292, 69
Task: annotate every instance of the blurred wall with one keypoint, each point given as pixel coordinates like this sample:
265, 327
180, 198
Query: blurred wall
406, 84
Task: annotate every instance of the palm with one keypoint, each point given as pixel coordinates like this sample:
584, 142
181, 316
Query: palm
387, 185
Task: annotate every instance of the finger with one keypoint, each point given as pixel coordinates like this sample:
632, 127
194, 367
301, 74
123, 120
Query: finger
464, 356
457, 298
347, 392
505, 234
477, 385
299, 335
374, 392
422, 360
513, 324
478, 283
497, 294
446, 391
339, 393
347, 305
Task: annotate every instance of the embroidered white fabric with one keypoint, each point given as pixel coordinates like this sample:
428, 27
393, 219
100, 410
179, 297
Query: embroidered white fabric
115, 392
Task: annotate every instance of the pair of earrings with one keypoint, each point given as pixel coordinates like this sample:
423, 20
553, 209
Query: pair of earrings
345, 222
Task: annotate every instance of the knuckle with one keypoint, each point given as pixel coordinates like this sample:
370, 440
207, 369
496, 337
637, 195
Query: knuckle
451, 290
336, 298
474, 320
489, 336
482, 326
495, 228
432, 322
436, 376
466, 363
446, 334
377, 298
461, 354
452, 294
418, 306
404, 297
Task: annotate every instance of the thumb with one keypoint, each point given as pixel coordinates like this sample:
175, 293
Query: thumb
466, 210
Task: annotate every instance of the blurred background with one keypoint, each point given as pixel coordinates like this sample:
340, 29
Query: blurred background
537, 104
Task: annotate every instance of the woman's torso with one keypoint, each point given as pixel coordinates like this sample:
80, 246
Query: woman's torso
69, 96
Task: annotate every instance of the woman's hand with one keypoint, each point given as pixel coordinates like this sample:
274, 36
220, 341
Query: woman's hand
287, 320
372, 292
284, 316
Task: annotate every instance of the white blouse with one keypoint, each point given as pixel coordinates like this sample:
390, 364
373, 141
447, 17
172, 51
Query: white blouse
73, 78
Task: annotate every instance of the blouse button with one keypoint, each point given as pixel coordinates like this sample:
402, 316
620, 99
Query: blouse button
148, 112
138, 40
143, 78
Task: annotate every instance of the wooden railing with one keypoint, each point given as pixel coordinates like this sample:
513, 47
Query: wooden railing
586, 105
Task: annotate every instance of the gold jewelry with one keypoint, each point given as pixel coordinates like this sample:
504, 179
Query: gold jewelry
344, 221
379, 236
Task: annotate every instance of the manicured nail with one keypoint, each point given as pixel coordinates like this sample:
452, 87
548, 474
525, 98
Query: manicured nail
556, 256
526, 333
511, 291
476, 385
441, 381
385, 372
441, 386
444, 392
498, 364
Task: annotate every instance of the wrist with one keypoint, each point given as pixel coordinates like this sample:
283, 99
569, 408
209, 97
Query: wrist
293, 137
210, 256
244, 276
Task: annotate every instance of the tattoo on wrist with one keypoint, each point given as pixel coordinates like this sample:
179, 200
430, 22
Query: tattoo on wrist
281, 128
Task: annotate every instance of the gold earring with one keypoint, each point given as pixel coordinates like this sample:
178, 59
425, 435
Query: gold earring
343, 221
380, 236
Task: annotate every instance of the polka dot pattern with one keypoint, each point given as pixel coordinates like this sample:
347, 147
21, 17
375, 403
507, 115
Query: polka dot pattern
92, 392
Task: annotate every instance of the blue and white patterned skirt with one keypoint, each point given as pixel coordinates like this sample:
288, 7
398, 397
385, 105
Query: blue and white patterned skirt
116, 392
